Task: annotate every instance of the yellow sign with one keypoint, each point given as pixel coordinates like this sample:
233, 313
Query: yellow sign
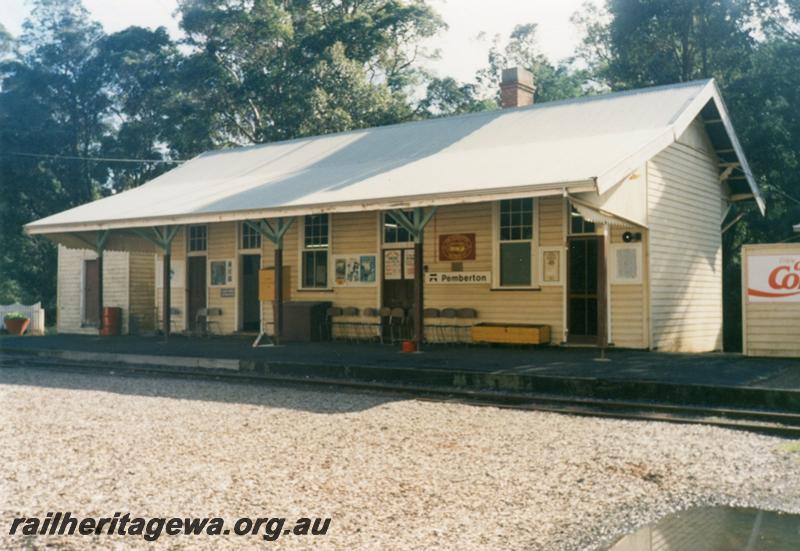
266, 284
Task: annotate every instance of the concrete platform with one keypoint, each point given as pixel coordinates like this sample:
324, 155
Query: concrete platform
728, 380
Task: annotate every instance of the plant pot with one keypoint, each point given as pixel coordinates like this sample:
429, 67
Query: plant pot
409, 346
17, 327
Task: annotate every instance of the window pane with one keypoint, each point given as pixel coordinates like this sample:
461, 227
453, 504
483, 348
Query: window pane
197, 238
393, 232
516, 219
315, 230
515, 264
315, 269
578, 225
251, 239
321, 269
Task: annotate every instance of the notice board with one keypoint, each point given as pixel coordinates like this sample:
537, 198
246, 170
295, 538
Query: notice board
266, 283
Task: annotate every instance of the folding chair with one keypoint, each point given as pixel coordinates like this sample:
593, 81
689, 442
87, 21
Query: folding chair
464, 330
449, 328
330, 313
432, 313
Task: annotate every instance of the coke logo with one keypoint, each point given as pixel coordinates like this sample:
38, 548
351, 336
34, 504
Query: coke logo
785, 277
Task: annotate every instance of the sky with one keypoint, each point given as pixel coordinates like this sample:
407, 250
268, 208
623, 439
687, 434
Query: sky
462, 53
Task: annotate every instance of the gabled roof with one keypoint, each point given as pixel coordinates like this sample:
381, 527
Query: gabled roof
584, 144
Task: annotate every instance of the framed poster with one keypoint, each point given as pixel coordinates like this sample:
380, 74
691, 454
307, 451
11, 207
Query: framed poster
355, 269
393, 264
408, 263
551, 265
340, 270
221, 272
368, 270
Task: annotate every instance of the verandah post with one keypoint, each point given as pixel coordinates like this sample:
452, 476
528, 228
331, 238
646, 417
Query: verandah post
277, 303
166, 290
419, 299
100, 245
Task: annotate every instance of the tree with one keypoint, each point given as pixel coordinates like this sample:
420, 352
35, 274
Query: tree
446, 96
276, 70
552, 81
69, 93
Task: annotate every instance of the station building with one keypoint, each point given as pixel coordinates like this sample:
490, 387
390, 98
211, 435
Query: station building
600, 218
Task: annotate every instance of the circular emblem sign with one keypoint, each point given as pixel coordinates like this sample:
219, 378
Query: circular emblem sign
457, 246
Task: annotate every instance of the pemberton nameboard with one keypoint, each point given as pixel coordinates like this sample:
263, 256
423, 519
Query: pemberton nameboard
457, 278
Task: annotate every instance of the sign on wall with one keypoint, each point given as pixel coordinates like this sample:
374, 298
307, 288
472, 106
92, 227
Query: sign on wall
221, 272
355, 269
457, 246
408, 263
551, 265
393, 264
773, 278
457, 278
625, 263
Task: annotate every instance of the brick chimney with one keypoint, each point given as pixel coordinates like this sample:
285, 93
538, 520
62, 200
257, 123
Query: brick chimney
516, 88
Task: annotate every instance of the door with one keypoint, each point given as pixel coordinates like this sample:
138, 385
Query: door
91, 292
251, 307
584, 289
397, 288
398, 278
196, 280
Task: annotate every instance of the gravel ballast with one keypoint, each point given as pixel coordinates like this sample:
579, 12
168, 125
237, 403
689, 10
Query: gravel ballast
390, 472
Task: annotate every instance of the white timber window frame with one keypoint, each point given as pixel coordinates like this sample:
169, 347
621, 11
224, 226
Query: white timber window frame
313, 248
248, 239
501, 237
193, 241
389, 224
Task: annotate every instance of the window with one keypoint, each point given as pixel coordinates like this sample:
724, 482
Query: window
250, 238
394, 232
515, 242
315, 251
578, 224
198, 238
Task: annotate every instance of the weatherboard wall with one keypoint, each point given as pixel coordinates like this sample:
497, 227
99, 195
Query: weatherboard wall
685, 209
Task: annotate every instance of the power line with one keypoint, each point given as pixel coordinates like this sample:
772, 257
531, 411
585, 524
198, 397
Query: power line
90, 159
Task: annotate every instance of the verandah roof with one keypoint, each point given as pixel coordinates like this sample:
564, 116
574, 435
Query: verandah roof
586, 144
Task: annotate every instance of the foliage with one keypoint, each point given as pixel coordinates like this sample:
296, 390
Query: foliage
270, 70
15, 316
551, 81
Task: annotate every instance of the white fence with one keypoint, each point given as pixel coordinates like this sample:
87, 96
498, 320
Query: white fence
34, 312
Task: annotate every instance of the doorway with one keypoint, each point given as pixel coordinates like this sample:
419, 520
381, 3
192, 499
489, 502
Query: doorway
398, 278
584, 289
251, 307
196, 281
91, 293
397, 288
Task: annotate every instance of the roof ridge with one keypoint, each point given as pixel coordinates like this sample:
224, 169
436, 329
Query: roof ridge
489, 113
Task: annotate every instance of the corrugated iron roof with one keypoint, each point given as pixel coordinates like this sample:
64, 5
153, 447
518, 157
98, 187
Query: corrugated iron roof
584, 144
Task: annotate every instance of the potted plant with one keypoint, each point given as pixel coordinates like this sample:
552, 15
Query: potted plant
16, 323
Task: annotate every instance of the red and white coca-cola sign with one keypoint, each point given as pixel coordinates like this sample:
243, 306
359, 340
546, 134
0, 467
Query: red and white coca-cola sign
773, 278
